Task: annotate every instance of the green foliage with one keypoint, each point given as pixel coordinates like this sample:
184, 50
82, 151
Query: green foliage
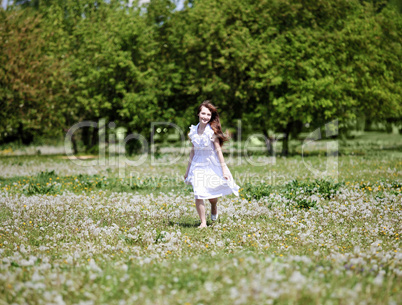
295, 191
50, 183
31, 79
256, 191
43, 184
396, 184
322, 187
276, 65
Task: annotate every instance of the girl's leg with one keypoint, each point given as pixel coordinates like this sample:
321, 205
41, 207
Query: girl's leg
214, 207
199, 204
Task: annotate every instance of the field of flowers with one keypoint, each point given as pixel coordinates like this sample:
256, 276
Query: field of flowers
73, 234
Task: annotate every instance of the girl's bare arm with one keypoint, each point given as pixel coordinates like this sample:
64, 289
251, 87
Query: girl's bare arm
218, 149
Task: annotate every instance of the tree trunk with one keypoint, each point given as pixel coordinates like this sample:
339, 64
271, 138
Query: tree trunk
86, 138
269, 143
74, 142
285, 141
285, 144
95, 137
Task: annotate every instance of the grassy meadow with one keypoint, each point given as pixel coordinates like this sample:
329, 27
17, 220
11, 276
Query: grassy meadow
98, 232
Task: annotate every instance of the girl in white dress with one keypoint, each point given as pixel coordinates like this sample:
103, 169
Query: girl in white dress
206, 170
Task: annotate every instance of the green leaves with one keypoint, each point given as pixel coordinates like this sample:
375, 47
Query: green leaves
31, 78
273, 64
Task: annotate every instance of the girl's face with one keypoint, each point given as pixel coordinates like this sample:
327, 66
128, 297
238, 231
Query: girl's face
204, 115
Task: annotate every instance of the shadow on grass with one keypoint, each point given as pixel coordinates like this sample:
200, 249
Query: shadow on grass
185, 224
190, 223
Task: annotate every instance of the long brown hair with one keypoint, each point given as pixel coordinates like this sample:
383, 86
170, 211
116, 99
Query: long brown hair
214, 122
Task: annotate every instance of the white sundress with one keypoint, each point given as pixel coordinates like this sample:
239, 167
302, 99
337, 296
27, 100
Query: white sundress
205, 173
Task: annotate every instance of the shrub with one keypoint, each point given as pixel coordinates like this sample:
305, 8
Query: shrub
43, 183
252, 191
296, 191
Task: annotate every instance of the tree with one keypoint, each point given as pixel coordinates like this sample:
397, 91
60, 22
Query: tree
281, 64
32, 80
277, 64
110, 51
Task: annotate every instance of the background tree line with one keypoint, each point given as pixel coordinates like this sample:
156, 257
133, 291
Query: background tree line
275, 64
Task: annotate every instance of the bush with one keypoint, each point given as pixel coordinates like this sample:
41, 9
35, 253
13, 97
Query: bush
43, 184
252, 191
324, 188
296, 191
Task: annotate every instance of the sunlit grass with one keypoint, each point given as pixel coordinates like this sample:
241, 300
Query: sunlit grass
95, 237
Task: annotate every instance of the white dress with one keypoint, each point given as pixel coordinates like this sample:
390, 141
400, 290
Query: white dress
205, 173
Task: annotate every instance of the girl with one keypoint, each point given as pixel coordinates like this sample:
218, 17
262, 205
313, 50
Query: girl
206, 170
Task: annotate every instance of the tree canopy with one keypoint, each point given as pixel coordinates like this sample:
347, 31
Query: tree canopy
275, 64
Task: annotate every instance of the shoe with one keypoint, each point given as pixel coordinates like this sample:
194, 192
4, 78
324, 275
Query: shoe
214, 217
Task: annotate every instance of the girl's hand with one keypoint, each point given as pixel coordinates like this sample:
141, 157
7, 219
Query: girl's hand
226, 174
185, 176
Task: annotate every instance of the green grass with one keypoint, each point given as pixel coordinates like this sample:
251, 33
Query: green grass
86, 234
